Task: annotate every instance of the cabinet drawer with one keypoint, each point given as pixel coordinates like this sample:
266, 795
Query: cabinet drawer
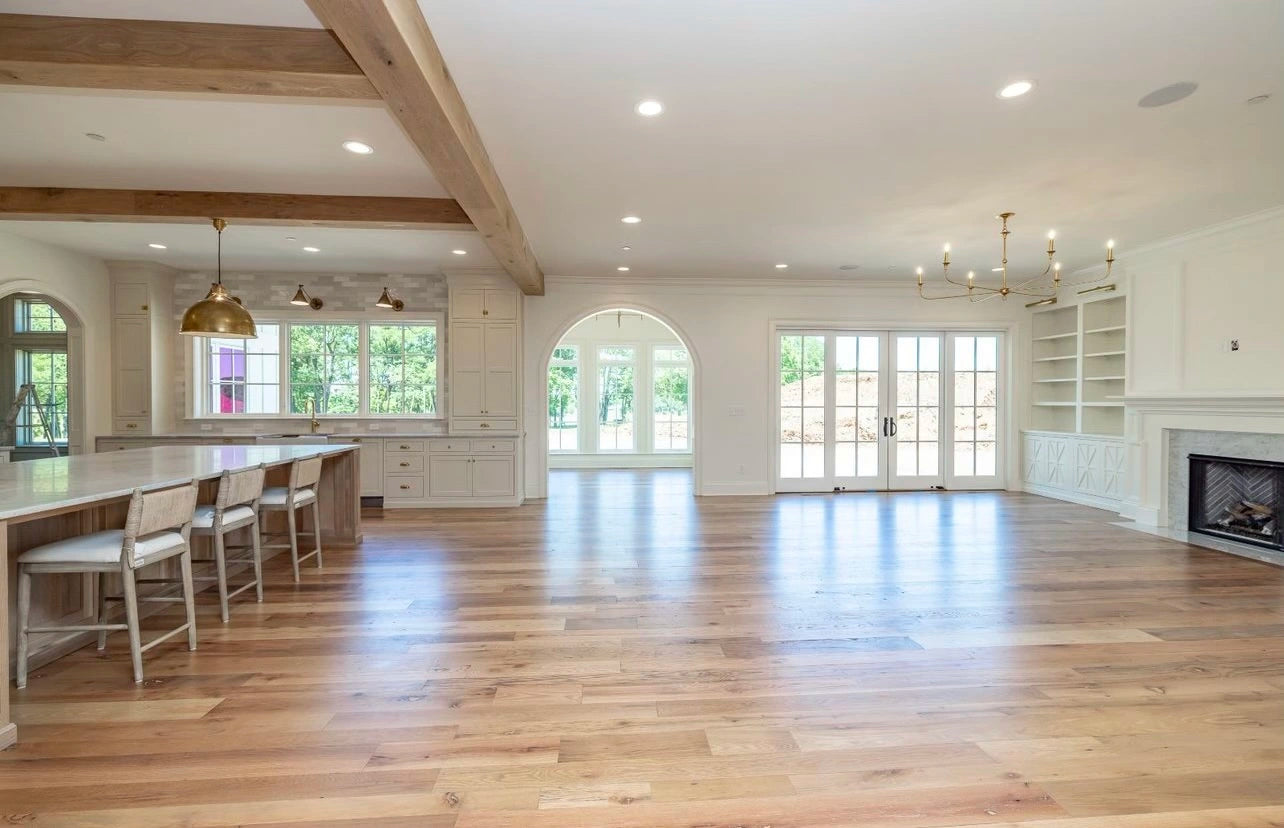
448, 446
403, 487
494, 446
403, 445
123, 426
398, 462
483, 425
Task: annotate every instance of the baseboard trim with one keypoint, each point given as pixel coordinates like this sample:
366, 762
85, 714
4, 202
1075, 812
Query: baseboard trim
8, 735
1095, 501
723, 488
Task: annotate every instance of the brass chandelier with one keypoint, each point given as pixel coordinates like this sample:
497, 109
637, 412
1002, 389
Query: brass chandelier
1043, 289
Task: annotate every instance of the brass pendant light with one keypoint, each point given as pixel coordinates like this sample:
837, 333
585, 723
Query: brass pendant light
219, 313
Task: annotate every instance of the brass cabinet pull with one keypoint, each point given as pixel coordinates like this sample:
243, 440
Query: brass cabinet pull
403, 464
485, 312
131, 425
404, 446
485, 425
405, 485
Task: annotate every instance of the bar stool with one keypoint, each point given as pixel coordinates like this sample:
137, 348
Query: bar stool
300, 492
236, 506
158, 526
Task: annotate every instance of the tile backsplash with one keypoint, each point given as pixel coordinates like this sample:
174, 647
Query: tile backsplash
342, 292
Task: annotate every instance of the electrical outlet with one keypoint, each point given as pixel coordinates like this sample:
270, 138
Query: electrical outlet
1234, 345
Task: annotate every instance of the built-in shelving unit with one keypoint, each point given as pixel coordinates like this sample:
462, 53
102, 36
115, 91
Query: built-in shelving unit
1079, 356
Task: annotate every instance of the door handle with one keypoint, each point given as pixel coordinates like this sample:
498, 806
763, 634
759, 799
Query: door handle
892, 422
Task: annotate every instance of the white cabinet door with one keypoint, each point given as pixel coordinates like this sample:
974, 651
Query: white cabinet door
467, 375
131, 384
500, 383
468, 304
493, 477
501, 305
129, 299
449, 476
371, 461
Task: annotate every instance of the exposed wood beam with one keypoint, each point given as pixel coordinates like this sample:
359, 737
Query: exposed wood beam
390, 41
187, 206
153, 55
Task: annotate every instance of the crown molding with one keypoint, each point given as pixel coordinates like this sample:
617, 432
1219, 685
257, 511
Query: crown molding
1207, 231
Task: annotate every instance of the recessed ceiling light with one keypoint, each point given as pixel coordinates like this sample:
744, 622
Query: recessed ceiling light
649, 108
631, 220
626, 247
312, 250
623, 268
781, 266
157, 246
460, 252
290, 238
1170, 94
1016, 89
94, 136
1258, 99
358, 148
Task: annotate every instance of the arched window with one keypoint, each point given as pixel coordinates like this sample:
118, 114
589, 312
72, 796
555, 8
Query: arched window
37, 338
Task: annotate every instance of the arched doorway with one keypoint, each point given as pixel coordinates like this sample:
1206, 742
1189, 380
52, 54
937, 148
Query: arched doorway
42, 344
618, 396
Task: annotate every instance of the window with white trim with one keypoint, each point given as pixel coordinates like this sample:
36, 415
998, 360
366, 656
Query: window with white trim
345, 367
615, 393
670, 398
564, 399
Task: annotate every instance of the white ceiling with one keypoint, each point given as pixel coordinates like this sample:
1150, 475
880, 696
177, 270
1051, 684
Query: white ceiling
192, 246
814, 132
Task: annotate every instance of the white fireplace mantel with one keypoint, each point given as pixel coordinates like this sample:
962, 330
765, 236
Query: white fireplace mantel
1148, 417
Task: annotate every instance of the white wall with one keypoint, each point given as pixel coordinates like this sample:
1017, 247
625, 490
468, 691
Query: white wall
727, 326
1188, 298
80, 282
1191, 295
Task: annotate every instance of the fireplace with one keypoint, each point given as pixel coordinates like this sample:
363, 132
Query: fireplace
1237, 499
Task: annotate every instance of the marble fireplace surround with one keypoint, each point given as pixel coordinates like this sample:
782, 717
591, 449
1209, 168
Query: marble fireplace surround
1233, 444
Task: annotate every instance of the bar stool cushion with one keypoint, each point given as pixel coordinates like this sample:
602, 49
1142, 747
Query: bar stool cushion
101, 548
203, 518
276, 495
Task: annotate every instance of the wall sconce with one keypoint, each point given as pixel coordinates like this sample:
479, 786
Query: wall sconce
386, 301
301, 298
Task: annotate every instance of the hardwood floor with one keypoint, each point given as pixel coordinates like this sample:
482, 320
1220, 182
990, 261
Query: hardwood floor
626, 655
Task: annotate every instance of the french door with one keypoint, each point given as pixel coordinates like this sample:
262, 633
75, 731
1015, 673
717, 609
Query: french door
887, 410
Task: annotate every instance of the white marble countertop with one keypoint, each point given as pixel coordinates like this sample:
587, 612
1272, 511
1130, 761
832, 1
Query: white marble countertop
38, 486
333, 436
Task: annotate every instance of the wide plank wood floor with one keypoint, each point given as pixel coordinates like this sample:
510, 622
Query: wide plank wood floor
627, 655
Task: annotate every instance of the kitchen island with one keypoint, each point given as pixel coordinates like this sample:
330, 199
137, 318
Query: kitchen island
47, 500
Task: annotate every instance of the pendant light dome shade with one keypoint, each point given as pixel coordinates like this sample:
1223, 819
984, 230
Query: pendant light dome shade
219, 313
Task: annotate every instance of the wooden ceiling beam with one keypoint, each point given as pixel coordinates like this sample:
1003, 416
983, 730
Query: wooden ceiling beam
390, 41
188, 206
155, 55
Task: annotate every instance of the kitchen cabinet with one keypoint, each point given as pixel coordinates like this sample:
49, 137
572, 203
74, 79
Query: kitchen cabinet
485, 348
